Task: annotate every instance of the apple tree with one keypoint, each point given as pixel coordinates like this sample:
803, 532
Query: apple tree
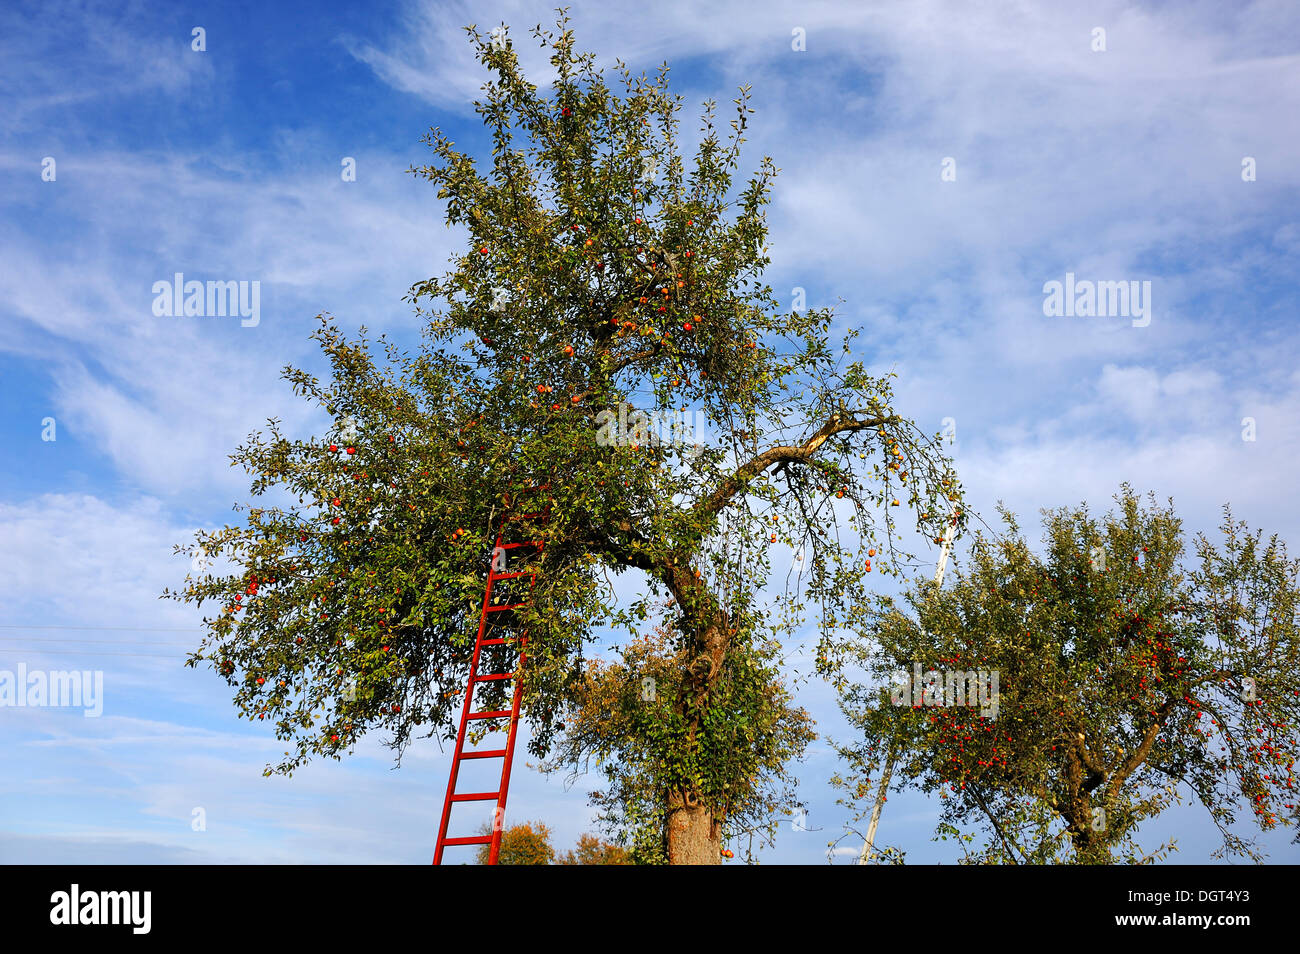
605, 332
1131, 676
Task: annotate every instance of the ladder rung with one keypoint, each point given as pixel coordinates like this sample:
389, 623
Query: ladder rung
493, 642
475, 797
494, 677
508, 576
510, 606
503, 713
525, 543
473, 840
484, 754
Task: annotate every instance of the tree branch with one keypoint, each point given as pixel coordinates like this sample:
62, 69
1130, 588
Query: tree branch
711, 505
1139, 755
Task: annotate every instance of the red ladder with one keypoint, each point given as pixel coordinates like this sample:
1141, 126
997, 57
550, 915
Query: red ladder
521, 643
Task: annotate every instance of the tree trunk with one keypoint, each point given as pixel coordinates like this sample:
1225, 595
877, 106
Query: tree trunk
694, 832
694, 836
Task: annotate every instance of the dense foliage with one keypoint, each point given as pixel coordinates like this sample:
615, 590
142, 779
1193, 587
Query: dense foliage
606, 287
525, 844
1131, 677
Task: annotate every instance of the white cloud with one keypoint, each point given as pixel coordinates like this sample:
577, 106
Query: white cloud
75, 558
1136, 391
126, 55
168, 399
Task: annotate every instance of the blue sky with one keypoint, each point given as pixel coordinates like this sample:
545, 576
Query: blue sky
1122, 164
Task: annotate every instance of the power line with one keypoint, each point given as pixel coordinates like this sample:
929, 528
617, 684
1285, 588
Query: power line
114, 642
124, 629
88, 652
